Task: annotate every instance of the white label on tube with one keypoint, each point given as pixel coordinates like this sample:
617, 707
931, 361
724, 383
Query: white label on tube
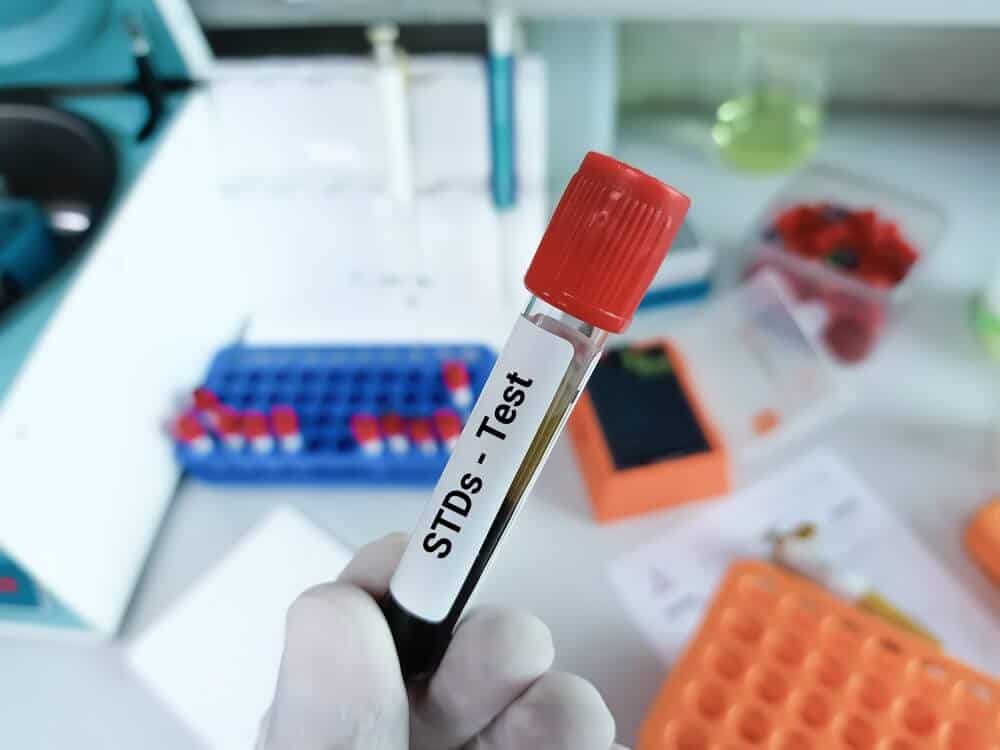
472, 487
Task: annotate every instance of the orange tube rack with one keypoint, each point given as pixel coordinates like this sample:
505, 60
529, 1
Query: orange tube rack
780, 664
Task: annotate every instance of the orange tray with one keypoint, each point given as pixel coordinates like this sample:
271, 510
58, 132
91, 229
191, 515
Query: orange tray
780, 664
619, 493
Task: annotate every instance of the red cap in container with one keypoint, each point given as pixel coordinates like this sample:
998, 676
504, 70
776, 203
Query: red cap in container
605, 242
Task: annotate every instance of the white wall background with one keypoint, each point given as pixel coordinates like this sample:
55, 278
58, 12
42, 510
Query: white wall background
662, 63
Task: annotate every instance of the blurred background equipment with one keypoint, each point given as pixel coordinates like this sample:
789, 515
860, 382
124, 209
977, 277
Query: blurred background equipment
66, 166
687, 272
26, 249
105, 219
501, 30
386, 200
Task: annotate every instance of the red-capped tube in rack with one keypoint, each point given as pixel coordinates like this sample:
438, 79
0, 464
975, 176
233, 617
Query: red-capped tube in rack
448, 427
257, 432
604, 243
208, 405
364, 428
191, 433
394, 432
456, 380
422, 436
229, 425
285, 423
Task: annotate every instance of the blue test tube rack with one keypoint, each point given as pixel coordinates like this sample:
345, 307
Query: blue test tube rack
327, 386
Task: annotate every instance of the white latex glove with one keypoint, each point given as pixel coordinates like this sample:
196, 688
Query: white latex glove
340, 688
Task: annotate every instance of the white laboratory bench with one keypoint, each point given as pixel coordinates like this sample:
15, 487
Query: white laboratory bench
919, 431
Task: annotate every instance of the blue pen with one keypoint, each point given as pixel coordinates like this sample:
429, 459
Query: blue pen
503, 180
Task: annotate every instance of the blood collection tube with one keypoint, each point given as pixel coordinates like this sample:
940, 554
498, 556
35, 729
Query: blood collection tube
456, 380
364, 428
189, 431
448, 427
257, 433
422, 437
285, 422
605, 242
229, 425
207, 403
392, 428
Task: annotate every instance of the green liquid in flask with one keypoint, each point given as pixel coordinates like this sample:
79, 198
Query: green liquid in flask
767, 129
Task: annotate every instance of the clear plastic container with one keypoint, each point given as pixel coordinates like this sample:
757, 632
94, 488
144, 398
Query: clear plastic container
852, 313
758, 370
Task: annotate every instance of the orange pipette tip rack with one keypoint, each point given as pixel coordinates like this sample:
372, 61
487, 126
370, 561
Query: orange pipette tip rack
780, 664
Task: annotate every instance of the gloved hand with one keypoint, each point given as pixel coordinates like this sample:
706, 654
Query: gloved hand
340, 687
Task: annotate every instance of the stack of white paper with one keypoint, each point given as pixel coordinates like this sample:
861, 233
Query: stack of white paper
329, 255
213, 658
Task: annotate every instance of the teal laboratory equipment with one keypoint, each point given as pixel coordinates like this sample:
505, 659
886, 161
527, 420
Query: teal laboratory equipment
27, 249
686, 274
99, 71
500, 77
77, 57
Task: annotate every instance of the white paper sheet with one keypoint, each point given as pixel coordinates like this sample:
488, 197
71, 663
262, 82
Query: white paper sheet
309, 122
213, 657
666, 583
327, 254
351, 266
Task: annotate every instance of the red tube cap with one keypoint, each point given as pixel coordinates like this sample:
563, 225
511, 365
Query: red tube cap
605, 242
